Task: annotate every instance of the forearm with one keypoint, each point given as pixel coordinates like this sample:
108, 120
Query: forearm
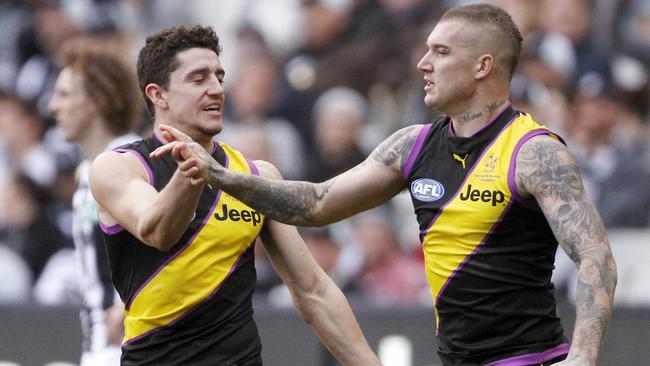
170, 213
328, 313
290, 202
594, 301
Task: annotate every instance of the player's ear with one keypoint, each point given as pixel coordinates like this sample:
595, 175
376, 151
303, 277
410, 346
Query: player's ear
483, 66
156, 95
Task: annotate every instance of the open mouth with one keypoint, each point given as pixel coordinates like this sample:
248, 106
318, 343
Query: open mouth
213, 109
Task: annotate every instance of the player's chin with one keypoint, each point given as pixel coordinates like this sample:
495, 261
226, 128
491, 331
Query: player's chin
212, 127
430, 101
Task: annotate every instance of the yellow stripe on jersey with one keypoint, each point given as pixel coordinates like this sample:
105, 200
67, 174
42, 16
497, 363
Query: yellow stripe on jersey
194, 275
466, 221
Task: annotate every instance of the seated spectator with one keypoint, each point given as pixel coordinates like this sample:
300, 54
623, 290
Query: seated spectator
250, 102
608, 156
339, 116
389, 276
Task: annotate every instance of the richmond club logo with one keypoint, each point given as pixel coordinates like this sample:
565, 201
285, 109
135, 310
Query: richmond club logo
427, 190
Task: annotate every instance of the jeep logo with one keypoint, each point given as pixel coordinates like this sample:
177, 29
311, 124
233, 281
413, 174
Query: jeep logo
234, 215
475, 195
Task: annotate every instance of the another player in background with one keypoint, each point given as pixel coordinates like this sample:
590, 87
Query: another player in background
182, 253
494, 193
96, 104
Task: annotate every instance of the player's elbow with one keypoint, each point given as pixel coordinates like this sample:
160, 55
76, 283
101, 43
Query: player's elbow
163, 245
308, 297
318, 217
599, 268
151, 235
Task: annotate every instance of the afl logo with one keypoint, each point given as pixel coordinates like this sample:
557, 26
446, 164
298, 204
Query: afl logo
427, 190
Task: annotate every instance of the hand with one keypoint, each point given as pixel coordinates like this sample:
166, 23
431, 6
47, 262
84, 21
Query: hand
193, 160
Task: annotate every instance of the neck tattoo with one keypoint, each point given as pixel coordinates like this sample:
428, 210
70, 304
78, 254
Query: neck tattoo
487, 109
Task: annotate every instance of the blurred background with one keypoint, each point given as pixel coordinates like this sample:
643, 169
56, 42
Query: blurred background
313, 86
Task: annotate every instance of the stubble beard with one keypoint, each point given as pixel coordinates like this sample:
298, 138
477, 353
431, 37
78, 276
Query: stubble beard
211, 131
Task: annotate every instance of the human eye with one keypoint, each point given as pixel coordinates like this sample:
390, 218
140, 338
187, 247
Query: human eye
221, 77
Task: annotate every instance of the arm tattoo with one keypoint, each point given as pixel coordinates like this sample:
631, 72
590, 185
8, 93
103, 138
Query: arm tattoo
290, 202
546, 168
549, 172
297, 203
396, 147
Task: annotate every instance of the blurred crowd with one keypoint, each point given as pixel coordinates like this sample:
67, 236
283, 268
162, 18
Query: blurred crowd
313, 86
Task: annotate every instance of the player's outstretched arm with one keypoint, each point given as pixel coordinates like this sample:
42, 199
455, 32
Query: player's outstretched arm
547, 170
319, 301
120, 184
367, 185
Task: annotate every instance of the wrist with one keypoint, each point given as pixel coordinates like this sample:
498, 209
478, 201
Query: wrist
580, 359
215, 174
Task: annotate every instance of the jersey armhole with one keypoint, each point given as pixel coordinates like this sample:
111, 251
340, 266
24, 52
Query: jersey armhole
253, 167
142, 159
415, 152
114, 229
512, 184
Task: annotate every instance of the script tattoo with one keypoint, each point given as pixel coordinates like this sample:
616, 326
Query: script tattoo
491, 107
546, 169
486, 110
396, 147
469, 117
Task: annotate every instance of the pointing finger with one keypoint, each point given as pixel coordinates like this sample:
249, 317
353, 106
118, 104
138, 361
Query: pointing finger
175, 133
167, 137
163, 150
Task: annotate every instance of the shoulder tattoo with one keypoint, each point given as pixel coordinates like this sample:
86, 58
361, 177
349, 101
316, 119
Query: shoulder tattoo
397, 147
546, 169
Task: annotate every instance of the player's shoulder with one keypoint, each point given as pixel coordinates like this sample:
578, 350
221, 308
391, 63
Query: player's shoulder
404, 137
411, 130
542, 145
543, 160
117, 163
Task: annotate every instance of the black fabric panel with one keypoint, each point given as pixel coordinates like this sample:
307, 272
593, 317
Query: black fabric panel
507, 285
220, 331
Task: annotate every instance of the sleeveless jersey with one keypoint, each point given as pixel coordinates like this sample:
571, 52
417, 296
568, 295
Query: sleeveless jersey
489, 253
191, 304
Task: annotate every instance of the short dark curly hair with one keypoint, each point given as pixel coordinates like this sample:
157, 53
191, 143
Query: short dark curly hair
108, 79
157, 59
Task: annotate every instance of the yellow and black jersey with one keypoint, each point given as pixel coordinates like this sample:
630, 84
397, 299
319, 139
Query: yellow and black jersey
191, 304
489, 253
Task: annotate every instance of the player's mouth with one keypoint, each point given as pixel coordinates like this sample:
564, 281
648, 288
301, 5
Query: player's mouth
428, 84
214, 108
